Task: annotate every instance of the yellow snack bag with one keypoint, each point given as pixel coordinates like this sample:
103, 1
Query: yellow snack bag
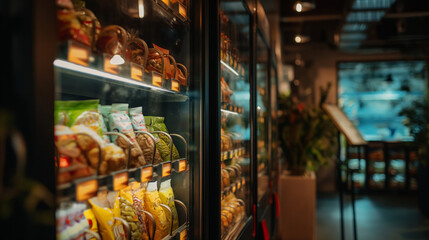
167, 197
152, 203
92, 221
104, 213
132, 212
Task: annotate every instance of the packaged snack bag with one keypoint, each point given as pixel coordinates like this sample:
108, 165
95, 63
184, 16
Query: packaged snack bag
103, 125
167, 197
157, 124
151, 204
119, 121
144, 141
105, 111
92, 221
72, 163
132, 211
113, 156
104, 210
83, 112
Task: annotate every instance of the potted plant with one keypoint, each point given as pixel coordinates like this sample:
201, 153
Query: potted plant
307, 136
417, 120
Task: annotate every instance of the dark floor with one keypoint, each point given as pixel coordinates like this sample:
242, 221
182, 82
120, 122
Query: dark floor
387, 216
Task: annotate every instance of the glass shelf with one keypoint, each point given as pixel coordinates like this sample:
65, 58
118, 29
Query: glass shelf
75, 76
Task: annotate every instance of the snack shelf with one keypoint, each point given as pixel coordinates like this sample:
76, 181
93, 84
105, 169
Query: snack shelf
228, 155
117, 180
232, 109
95, 80
174, 10
233, 187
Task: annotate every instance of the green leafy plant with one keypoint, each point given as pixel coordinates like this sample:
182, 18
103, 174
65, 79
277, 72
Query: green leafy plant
308, 136
417, 120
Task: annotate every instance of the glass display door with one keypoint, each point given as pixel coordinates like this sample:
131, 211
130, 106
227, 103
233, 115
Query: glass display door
262, 117
124, 119
235, 117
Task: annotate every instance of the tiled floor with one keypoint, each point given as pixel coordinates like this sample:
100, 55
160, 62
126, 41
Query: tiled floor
379, 217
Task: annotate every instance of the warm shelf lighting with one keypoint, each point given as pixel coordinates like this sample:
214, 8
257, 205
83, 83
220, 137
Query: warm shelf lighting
117, 60
303, 6
141, 9
230, 68
299, 38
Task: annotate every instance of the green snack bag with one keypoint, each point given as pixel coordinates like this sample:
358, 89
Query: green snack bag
167, 197
162, 147
144, 141
84, 112
159, 125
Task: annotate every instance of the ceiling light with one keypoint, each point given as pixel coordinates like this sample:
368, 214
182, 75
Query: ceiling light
303, 6
301, 38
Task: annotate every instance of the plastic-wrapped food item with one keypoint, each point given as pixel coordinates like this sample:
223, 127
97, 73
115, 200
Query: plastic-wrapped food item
113, 156
119, 121
225, 178
161, 146
157, 124
112, 40
103, 125
144, 141
181, 74
71, 222
72, 164
104, 110
83, 112
89, 24
69, 26
105, 206
160, 61
132, 212
152, 203
92, 221
225, 91
167, 197
137, 51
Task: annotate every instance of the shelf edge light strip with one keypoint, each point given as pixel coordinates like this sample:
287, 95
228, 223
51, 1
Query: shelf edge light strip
97, 73
230, 112
230, 68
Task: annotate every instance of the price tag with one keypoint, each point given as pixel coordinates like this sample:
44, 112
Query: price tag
109, 67
235, 109
120, 180
182, 165
86, 189
175, 85
233, 188
166, 2
166, 169
156, 79
184, 234
182, 10
239, 185
78, 53
136, 72
243, 181
146, 174
236, 152
231, 108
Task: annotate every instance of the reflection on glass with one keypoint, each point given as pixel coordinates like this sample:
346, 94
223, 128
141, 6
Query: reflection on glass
373, 93
235, 122
262, 112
